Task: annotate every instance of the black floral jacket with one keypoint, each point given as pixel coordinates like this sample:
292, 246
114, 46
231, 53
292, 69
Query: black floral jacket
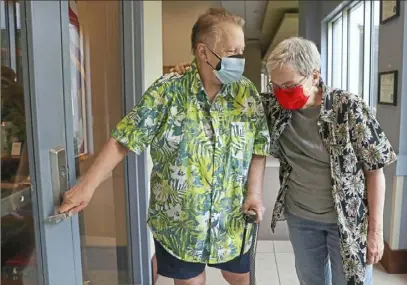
355, 142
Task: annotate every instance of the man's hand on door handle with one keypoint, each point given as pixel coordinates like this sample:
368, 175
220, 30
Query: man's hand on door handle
76, 199
79, 196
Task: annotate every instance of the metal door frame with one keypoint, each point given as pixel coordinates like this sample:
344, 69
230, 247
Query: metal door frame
136, 166
45, 39
43, 82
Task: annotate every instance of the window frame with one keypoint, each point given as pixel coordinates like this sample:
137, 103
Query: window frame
264, 79
367, 76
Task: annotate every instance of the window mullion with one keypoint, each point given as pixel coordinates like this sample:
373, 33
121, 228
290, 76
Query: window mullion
330, 54
367, 51
345, 45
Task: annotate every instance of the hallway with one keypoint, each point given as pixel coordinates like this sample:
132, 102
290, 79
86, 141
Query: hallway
275, 266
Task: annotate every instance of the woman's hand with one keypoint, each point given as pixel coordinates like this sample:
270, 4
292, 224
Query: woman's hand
180, 68
375, 246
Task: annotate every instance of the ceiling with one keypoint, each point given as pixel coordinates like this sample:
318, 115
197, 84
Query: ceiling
269, 22
252, 11
288, 27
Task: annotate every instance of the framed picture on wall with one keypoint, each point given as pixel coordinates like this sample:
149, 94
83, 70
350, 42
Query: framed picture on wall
388, 88
389, 9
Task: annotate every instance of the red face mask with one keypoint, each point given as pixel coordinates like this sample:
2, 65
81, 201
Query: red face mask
291, 98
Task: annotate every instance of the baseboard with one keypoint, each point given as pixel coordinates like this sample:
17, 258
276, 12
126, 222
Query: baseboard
394, 261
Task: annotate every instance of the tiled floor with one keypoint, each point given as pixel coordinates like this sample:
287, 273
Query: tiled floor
275, 266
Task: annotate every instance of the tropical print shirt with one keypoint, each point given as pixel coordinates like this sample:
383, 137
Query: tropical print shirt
355, 143
201, 153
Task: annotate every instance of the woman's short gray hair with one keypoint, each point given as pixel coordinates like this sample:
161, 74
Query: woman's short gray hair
301, 54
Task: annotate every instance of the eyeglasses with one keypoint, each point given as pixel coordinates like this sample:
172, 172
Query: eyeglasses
287, 86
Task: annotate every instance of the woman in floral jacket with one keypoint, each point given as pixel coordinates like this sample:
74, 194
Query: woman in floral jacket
332, 152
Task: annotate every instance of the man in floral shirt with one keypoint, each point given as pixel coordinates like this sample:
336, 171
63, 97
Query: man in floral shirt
209, 137
332, 152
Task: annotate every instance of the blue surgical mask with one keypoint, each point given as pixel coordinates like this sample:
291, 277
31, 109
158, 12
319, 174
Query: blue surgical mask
229, 69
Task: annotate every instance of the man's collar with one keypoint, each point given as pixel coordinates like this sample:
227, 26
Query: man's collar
196, 83
197, 86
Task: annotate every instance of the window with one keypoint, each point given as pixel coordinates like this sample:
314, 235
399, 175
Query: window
264, 80
11, 37
337, 53
353, 49
264, 83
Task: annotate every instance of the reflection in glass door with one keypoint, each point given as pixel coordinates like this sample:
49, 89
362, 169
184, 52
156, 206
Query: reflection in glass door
95, 71
18, 254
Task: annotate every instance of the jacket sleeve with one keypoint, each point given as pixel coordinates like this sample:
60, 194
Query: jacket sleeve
370, 143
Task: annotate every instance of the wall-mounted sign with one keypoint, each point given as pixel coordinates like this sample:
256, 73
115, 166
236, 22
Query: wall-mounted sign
389, 9
388, 88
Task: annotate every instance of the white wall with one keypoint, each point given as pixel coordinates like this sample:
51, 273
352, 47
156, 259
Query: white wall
178, 19
153, 59
153, 41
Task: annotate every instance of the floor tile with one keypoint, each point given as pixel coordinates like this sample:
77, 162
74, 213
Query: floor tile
286, 269
282, 272
164, 281
283, 246
266, 273
266, 269
214, 277
380, 276
265, 246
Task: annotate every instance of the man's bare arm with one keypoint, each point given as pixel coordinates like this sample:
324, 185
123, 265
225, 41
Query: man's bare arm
78, 197
254, 200
256, 174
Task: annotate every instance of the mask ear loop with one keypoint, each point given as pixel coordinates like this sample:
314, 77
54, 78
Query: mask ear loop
215, 54
207, 62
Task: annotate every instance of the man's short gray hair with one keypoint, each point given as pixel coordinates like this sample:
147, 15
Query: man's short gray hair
301, 54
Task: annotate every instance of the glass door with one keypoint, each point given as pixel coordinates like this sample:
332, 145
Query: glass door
18, 248
97, 37
62, 79
34, 251
94, 108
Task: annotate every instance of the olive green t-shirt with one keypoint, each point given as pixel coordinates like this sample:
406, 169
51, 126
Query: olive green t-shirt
309, 192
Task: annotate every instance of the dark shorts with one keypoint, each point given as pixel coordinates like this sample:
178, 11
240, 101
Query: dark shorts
172, 267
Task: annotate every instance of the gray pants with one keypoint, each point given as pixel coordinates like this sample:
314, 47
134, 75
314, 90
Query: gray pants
317, 252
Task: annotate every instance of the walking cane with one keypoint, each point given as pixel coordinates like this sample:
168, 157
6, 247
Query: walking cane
250, 218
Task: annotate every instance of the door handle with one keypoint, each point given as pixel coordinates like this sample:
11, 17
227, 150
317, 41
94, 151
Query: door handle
59, 181
55, 219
